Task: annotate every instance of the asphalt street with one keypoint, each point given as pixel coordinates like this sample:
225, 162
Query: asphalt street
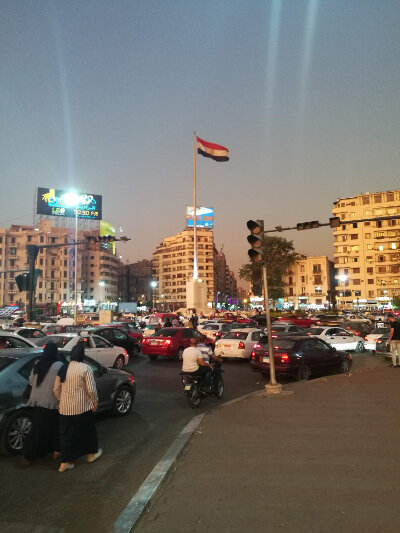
90, 497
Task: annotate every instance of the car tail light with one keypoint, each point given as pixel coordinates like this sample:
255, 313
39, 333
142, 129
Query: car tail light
284, 358
218, 334
241, 345
366, 338
379, 341
274, 336
253, 354
167, 342
131, 379
309, 333
144, 340
256, 345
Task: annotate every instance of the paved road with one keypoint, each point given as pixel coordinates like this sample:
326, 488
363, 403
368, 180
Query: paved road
90, 497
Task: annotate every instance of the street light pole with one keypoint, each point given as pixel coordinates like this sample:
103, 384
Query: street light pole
76, 265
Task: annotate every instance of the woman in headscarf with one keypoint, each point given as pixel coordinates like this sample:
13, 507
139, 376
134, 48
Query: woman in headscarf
75, 387
44, 437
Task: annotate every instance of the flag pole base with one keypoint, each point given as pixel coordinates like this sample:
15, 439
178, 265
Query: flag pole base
273, 389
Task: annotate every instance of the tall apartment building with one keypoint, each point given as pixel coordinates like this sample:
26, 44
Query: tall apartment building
173, 267
55, 284
367, 253
134, 282
308, 283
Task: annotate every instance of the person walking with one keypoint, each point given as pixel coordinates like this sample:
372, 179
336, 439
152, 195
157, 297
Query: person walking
45, 435
394, 340
75, 387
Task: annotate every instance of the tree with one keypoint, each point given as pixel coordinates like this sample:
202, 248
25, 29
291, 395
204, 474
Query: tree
396, 302
279, 254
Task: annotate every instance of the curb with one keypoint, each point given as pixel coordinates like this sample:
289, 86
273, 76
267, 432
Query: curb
139, 502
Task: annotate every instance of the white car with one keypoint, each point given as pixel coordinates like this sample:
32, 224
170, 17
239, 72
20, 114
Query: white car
370, 340
238, 343
15, 341
29, 333
339, 338
213, 331
96, 347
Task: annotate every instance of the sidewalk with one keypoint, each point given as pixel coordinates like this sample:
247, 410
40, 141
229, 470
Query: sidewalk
322, 457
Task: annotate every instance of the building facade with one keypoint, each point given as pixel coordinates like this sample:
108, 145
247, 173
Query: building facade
367, 253
134, 282
55, 286
173, 267
308, 283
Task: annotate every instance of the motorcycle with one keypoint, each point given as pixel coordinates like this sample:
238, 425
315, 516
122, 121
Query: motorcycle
196, 387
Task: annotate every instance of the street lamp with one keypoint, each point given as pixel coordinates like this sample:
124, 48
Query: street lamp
153, 285
71, 199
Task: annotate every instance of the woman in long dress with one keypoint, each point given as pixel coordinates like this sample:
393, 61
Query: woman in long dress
75, 387
45, 435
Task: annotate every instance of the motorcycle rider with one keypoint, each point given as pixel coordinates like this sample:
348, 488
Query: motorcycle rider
193, 361
209, 357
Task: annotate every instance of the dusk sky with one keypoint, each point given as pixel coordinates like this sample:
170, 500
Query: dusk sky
103, 97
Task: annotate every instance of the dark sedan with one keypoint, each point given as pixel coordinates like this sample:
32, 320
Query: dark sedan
300, 357
116, 336
382, 344
116, 390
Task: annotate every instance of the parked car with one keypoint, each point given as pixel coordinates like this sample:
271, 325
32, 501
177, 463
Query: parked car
29, 333
238, 343
382, 344
279, 329
380, 329
117, 337
213, 331
54, 329
129, 328
300, 357
96, 347
15, 341
339, 338
299, 320
358, 328
116, 390
170, 342
330, 320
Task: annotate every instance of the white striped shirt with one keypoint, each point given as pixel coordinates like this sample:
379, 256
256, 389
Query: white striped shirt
78, 393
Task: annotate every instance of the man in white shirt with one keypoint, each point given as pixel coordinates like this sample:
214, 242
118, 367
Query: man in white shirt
192, 359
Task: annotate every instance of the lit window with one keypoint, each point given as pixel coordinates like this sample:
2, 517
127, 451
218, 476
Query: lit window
380, 247
394, 245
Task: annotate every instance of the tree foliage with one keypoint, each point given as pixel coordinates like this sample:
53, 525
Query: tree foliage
279, 254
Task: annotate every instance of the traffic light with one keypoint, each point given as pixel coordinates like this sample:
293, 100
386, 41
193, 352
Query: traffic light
334, 222
107, 238
256, 240
308, 225
102, 238
23, 280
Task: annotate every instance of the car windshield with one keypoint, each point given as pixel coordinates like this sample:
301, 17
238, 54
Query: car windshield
212, 327
4, 362
59, 340
165, 333
381, 330
284, 344
278, 328
236, 335
315, 331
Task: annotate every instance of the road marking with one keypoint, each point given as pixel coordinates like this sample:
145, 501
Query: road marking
142, 498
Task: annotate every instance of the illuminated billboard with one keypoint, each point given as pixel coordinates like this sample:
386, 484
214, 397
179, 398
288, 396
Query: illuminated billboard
107, 229
57, 203
204, 217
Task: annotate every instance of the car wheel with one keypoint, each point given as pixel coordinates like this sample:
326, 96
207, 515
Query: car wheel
360, 347
344, 367
153, 357
16, 429
123, 401
179, 354
303, 373
119, 362
220, 388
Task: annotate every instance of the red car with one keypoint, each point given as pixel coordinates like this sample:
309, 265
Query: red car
303, 321
170, 342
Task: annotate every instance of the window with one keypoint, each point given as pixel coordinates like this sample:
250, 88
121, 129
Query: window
343, 226
301, 268
380, 247
365, 201
381, 269
370, 270
394, 245
379, 223
381, 258
367, 235
377, 198
356, 270
354, 236
355, 225
303, 279
371, 294
355, 248
356, 282
370, 281
100, 343
390, 196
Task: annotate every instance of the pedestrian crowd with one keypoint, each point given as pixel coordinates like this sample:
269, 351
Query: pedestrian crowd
63, 398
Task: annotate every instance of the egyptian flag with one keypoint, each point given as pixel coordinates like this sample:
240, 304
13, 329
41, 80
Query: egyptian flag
215, 151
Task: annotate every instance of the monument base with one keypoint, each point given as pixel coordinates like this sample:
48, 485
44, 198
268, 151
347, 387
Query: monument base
196, 295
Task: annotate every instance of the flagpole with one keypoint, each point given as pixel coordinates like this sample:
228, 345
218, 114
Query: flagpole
195, 271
